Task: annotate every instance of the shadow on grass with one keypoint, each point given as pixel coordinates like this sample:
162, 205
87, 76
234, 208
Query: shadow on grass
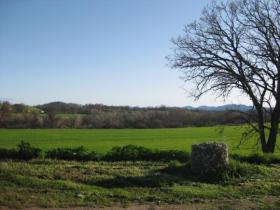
259, 159
161, 178
181, 174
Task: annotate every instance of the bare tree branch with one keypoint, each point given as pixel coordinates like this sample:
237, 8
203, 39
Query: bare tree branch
236, 45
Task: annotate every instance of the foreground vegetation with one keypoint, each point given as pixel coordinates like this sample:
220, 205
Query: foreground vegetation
120, 177
45, 183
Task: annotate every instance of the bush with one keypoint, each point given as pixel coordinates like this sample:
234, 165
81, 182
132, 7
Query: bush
139, 153
126, 153
8, 153
24, 151
168, 155
79, 153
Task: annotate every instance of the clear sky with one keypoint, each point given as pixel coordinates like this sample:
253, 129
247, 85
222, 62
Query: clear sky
94, 51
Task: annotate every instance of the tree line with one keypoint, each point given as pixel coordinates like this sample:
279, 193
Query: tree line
64, 115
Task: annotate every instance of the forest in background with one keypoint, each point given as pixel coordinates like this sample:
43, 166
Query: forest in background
71, 115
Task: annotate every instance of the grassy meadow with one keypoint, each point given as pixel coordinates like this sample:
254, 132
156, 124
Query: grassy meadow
44, 183
102, 140
138, 185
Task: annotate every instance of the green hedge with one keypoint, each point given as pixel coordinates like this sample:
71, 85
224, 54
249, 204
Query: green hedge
138, 153
79, 153
125, 153
24, 151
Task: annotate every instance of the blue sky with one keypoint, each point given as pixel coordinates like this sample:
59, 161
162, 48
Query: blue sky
94, 51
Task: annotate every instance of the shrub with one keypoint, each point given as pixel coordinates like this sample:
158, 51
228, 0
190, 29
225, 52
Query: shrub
24, 151
79, 153
168, 155
8, 153
139, 153
126, 153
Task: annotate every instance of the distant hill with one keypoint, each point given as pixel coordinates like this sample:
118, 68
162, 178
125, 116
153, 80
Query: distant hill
235, 107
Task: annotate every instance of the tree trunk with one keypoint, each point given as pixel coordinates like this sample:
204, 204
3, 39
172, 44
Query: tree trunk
261, 127
273, 132
263, 138
271, 143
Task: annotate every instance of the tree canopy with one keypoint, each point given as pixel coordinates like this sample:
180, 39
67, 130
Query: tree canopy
236, 45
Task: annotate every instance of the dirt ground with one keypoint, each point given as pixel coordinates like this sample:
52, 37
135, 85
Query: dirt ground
268, 202
244, 205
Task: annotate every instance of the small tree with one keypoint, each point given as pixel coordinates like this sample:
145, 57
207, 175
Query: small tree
236, 45
6, 110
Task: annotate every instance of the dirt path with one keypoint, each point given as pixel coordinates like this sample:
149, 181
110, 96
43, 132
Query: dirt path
269, 202
130, 207
193, 206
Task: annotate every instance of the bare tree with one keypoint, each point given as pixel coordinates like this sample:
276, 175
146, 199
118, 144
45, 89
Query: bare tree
236, 45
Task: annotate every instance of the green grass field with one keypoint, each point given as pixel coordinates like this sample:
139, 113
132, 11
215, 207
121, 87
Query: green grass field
54, 183
102, 140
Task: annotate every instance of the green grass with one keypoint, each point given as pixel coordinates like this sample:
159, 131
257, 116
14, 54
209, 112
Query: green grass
52, 183
43, 183
102, 140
